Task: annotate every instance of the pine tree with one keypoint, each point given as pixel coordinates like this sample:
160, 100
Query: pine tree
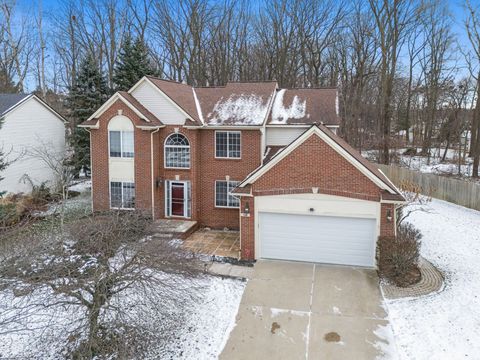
133, 63
89, 92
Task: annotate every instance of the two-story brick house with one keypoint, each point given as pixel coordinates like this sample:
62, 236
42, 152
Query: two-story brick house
246, 156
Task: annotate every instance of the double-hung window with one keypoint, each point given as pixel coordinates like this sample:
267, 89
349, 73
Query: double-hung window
223, 196
121, 144
227, 144
122, 195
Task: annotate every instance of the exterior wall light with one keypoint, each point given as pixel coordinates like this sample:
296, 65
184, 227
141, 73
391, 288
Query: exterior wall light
158, 182
389, 215
246, 209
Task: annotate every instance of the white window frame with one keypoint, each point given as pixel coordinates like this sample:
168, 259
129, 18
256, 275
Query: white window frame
110, 194
176, 146
228, 194
228, 143
121, 144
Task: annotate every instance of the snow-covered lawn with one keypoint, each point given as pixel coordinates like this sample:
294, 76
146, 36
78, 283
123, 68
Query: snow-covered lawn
445, 325
197, 330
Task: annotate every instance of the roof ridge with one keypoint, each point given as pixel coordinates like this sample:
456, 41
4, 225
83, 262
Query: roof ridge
167, 80
311, 88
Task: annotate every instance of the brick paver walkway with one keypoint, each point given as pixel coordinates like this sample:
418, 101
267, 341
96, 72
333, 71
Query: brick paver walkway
214, 243
432, 281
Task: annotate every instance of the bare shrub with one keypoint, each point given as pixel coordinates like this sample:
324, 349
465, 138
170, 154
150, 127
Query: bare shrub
398, 256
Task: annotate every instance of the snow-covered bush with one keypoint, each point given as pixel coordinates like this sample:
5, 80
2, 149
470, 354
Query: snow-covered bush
398, 256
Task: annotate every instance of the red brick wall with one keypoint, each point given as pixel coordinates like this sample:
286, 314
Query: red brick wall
316, 164
247, 229
312, 164
387, 228
99, 150
204, 170
212, 169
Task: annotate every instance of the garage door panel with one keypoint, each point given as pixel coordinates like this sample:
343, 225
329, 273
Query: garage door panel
326, 239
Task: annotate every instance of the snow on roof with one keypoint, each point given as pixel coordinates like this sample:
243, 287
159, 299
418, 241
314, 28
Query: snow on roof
280, 113
243, 109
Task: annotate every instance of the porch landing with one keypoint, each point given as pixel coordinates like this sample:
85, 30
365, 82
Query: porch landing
214, 243
174, 228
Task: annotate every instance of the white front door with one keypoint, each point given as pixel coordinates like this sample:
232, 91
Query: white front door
321, 239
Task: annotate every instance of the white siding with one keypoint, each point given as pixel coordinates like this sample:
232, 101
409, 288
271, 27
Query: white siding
27, 127
158, 104
283, 135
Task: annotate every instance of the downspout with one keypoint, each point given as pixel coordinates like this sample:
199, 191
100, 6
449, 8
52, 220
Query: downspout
91, 168
153, 176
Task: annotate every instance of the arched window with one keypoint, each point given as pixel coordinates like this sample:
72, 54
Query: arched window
177, 152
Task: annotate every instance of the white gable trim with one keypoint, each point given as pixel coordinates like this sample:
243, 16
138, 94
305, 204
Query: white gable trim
314, 130
109, 102
197, 105
187, 116
40, 101
16, 105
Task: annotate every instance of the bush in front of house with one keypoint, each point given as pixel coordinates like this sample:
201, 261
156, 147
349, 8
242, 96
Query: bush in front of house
398, 256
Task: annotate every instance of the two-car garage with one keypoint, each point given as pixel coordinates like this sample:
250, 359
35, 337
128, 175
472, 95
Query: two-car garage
317, 228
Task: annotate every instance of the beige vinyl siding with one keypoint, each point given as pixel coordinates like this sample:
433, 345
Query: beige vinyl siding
158, 104
283, 135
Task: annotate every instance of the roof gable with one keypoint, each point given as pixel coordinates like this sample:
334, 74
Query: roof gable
340, 146
150, 119
179, 95
25, 99
9, 101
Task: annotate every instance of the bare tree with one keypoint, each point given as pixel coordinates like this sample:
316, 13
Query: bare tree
472, 26
100, 267
393, 20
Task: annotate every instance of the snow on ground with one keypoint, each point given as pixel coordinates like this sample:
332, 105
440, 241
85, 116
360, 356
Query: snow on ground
81, 186
435, 166
445, 325
196, 330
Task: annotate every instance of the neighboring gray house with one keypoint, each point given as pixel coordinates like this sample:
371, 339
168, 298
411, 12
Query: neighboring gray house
28, 123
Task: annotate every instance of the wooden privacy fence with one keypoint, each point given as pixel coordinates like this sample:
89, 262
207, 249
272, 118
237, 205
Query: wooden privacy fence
465, 193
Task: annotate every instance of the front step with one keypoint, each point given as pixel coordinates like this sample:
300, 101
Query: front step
180, 229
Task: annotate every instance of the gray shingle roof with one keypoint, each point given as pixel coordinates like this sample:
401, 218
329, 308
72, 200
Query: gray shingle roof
9, 100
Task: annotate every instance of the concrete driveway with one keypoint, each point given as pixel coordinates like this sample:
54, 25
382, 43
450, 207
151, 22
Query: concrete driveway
295, 310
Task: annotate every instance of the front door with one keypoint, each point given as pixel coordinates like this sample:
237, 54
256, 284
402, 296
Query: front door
177, 203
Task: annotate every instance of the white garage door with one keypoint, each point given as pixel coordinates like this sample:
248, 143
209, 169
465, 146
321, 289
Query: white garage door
322, 239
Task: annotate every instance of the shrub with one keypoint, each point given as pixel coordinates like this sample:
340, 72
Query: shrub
398, 256
410, 152
8, 215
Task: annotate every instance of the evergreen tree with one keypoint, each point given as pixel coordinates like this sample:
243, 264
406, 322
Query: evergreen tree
132, 64
89, 92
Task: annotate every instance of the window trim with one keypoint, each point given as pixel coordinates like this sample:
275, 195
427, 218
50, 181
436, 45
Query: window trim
228, 157
121, 144
110, 194
228, 193
182, 146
